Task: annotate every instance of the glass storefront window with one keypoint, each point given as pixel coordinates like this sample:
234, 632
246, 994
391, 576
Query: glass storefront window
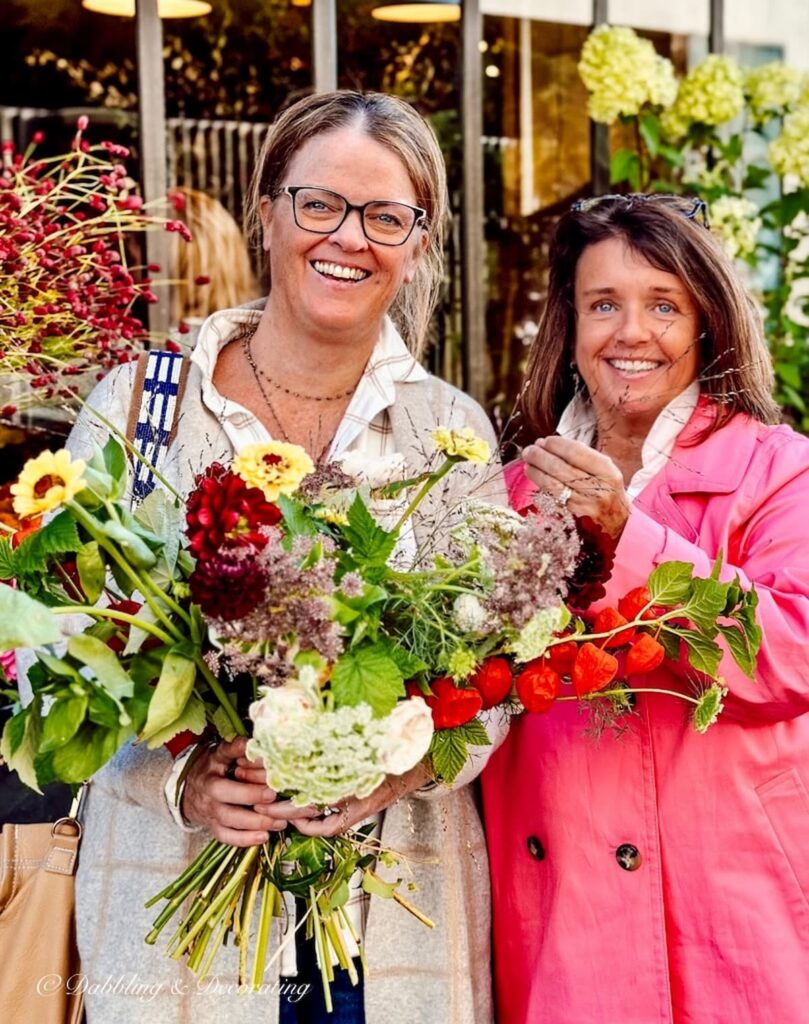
537, 161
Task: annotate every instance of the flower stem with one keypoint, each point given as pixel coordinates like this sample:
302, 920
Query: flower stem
116, 616
424, 490
221, 696
620, 692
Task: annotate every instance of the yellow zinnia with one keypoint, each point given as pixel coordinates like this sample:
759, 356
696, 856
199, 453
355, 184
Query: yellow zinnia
462, 444
275, 468
47, 482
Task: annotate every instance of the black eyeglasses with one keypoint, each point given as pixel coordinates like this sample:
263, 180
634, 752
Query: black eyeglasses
322, 212
690, 207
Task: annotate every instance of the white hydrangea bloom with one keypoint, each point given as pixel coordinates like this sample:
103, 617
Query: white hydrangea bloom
737, 223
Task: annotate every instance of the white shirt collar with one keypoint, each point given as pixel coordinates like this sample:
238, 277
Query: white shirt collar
578, 422
391, 363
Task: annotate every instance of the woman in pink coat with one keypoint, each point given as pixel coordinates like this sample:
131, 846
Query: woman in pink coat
661, 875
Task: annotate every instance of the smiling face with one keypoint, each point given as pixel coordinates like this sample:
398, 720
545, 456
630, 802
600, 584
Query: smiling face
637, 335
340, 282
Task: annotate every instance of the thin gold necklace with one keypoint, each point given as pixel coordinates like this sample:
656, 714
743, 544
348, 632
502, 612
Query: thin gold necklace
246, 339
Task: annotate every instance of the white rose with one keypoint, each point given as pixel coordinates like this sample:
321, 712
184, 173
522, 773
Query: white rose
280, 707
374, 470
407, 737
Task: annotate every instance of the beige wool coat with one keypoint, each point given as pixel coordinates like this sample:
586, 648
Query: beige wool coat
132, 848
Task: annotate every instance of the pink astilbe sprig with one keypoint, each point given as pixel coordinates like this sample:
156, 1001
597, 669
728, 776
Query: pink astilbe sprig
527, 572
295, 611
67, 292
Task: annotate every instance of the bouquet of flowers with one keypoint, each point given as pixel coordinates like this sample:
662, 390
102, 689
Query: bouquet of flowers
291, 614
68, 294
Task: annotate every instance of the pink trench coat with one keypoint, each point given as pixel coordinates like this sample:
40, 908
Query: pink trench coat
663, 876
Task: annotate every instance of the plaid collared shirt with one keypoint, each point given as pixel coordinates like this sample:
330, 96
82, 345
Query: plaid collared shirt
366, 428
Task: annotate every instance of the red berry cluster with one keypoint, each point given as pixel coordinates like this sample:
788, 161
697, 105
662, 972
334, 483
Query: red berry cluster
67, 294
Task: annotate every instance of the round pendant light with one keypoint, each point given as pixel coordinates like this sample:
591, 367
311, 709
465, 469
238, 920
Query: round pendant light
421, 11
165, 8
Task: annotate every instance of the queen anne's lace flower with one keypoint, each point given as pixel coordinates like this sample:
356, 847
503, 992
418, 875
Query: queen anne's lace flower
320, 757
711, 93
773, 89
736, 221
536, 634
622, 73
789, 153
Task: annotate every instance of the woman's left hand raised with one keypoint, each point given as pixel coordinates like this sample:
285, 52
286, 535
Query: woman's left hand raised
345, 814
594, 483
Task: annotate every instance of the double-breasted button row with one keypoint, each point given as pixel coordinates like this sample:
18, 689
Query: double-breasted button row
627, 855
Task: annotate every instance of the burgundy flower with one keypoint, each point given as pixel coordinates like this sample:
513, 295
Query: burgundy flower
594, 565
229, 585
222, 511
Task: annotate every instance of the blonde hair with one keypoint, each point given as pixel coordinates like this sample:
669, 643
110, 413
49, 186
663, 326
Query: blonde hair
734, 360
397, 126
217, 251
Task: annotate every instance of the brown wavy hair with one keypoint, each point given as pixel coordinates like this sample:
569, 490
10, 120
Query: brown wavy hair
735, 366
401, 129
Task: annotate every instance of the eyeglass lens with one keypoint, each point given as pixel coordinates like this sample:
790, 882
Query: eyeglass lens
324, 211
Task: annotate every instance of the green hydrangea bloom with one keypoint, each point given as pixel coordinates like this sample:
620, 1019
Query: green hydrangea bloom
622, 73
737, 223
789, 153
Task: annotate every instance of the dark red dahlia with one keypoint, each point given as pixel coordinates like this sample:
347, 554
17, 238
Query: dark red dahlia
230, 584
223, 511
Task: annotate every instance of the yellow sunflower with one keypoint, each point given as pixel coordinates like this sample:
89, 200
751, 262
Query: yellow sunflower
47, 482
462, 444
275, 468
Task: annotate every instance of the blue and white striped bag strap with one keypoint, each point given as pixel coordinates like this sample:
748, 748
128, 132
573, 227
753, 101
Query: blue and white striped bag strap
156, 397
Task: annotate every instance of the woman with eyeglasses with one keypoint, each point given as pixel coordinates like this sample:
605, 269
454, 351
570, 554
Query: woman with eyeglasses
652, 875
349, 202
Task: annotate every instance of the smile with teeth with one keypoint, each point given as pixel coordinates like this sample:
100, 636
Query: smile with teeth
339, 271
634, 365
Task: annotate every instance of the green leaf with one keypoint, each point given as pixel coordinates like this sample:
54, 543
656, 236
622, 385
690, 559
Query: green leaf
82, 756
62, 722
134, 549
192, 718
369, 542
172, 693
311, 852
704, 655
448, 752
740, 647
624, 166
115, 464
92, 571
102, 710
649, 127
670, 583
296, 517
368, 675
8, 569
161, 516
706, 603
25, 622
408, 664
104, 664
60, 667
20, 743
755, 177
790, 374
376, 886
474, 732
57, 537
